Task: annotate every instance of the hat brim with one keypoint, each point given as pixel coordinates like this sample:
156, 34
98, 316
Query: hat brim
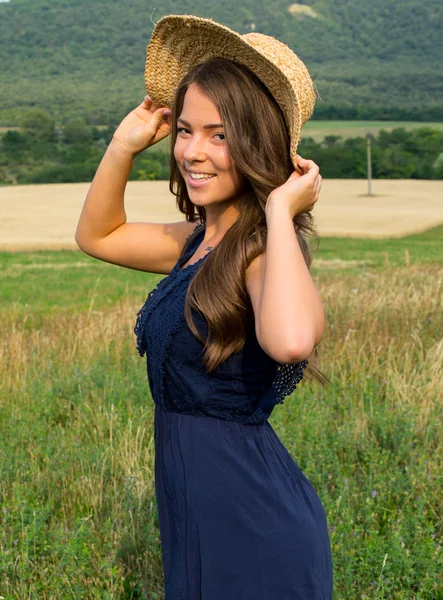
179, 42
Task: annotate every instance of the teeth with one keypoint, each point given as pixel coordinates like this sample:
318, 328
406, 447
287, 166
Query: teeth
200, 176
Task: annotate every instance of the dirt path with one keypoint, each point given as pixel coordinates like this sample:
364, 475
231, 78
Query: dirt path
45, 216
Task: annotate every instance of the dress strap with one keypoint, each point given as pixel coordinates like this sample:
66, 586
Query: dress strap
191, 244
194, 238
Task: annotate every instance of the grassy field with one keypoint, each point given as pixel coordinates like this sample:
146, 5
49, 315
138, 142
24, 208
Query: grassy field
78, 514
320, 129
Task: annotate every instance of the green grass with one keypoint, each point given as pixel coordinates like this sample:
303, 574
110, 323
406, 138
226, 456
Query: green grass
320, 129
78, 515
423, 248
43, 282
40, 283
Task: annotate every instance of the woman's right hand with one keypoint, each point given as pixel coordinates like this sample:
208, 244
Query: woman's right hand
145, 126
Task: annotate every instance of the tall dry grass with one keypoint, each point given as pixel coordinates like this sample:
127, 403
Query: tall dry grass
78, 516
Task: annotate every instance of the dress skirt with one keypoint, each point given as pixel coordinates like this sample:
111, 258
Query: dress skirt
238, 518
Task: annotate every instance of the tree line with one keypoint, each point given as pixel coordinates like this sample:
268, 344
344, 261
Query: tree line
42, 151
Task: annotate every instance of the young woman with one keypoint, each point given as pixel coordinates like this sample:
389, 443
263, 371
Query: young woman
227, 334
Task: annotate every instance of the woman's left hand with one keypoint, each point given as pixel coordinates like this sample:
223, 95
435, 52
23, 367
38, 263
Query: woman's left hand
301, 191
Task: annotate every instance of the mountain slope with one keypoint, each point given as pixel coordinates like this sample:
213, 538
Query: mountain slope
378, 59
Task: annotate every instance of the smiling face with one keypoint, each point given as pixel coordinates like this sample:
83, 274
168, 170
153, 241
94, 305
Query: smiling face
203, 149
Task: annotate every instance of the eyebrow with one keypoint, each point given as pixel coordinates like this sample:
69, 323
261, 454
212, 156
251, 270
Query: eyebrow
210, 126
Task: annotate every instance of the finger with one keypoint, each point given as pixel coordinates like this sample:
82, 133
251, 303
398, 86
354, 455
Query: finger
302, 164
295, 174
305, 163
298, 170
311, 178
166, 112
148, 104
309, 167
313, 168
160, 115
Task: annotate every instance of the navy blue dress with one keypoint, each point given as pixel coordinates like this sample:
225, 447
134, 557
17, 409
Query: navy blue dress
238, 518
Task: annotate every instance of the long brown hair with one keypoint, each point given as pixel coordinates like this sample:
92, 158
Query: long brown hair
258, 142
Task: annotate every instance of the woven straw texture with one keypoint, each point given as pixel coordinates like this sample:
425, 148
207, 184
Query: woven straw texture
179, 42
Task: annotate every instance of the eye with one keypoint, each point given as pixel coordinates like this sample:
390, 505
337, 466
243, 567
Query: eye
179, 129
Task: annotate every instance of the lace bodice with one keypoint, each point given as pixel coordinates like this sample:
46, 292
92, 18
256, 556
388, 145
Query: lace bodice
245, 388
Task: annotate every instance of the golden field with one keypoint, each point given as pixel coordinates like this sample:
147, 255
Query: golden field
45, 216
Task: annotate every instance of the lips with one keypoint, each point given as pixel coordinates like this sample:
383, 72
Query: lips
199, 182
198, 178
199, 172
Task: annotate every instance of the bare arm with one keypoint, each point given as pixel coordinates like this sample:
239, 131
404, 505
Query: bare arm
289, 316
103, 210
102, 230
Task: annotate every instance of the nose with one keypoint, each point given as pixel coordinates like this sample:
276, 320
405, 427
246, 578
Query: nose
194, 149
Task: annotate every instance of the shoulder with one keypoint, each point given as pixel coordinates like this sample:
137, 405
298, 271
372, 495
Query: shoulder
197, 227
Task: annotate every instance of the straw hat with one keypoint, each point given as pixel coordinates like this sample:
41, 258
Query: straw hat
179, 42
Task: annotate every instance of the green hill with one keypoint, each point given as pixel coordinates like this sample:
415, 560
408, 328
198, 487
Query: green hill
370, 60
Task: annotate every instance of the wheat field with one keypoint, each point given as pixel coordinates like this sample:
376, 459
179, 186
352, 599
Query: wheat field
35, 217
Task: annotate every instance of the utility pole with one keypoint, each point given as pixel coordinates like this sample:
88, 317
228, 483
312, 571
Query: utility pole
368, 138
